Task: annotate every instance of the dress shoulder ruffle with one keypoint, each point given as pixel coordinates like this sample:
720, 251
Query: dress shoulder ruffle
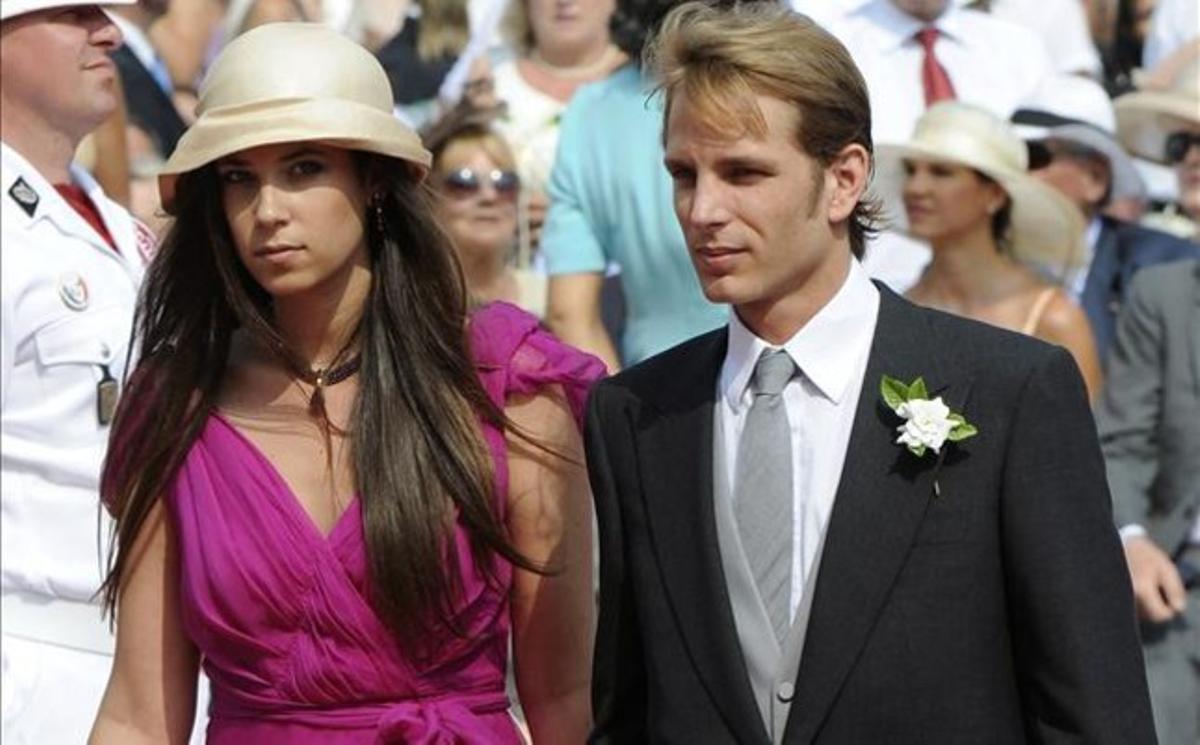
515, 356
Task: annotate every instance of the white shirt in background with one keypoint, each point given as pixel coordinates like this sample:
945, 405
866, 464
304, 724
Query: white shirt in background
1174, 23
1063, 29
993, 63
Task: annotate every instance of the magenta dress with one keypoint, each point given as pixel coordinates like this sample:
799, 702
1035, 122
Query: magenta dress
279, 611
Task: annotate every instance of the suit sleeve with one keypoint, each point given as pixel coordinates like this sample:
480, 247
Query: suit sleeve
618, 676
1130, 410
1071, 613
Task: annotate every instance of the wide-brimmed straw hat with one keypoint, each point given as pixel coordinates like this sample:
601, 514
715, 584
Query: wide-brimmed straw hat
1046, 229
14, 8
293, 82
1146, 118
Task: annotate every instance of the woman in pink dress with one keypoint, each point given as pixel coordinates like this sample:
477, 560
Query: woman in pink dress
336, 487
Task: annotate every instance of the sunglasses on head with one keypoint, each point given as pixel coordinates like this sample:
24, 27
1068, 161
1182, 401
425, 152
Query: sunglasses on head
465, 182
1178, 144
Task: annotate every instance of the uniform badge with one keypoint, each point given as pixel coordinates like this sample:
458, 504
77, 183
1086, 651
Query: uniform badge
73, 291
107, 394
24, 195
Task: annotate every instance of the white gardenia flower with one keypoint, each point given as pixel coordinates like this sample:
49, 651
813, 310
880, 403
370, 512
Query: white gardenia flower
926, 423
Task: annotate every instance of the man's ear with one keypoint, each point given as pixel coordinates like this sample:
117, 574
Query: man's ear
1096, 182
846, 180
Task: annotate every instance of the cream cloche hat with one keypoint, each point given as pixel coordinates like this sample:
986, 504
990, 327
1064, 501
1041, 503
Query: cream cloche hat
293, 82
1146, 118
14, 8
1047, 230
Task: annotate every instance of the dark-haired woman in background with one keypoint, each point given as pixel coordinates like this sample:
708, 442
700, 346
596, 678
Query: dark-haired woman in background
963, 181
333, 484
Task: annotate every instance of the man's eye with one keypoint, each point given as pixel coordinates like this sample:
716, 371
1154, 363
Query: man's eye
745, 175
681, 175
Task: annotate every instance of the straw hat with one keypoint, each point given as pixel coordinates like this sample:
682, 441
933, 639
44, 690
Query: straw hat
1046, 228
14, 8
293, 82
1146, 118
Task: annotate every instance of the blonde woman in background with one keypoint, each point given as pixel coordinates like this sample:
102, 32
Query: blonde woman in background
963, 184
474, 174
561, 46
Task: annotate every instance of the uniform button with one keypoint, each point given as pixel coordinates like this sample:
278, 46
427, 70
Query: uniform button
785, 691
105, 351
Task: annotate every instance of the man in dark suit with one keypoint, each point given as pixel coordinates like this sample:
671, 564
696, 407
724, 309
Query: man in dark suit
1149, 419
144, 77
1082, 158
800, 541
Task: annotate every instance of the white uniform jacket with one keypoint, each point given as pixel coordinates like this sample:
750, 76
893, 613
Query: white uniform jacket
68, 302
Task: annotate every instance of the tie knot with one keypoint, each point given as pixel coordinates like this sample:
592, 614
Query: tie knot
927, 36
772, 372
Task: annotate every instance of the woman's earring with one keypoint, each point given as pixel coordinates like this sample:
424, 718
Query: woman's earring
380, 223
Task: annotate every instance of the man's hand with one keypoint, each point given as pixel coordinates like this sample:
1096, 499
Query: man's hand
1157, 588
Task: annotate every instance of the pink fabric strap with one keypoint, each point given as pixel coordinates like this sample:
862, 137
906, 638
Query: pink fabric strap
934, 78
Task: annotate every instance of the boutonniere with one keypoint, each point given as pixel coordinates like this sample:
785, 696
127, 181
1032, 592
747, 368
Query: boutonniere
928, 424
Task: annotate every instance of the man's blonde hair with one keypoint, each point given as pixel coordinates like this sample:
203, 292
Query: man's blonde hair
721, 58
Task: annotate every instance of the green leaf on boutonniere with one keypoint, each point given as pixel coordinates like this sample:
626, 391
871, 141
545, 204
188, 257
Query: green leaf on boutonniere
893, 391
917, 389
962, 432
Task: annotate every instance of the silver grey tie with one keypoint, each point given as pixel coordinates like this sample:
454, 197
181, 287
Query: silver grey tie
763, 492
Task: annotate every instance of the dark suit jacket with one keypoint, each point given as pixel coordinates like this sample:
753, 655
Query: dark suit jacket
997, 612
149, 107
1149, 416
1122, 249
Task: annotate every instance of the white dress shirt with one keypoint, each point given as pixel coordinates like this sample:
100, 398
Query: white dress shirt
1063, 28
993, 63
831, 353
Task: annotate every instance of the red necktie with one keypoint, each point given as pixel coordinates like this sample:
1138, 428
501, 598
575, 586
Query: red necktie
933, 76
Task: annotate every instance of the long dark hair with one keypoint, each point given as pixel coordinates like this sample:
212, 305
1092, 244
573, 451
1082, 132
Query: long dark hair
418, 448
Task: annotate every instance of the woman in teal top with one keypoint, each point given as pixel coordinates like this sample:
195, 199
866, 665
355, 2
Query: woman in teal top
611, 202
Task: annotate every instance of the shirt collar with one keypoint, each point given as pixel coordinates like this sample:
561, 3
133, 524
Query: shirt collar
1092, 234
137, 41
826, 349
898, 28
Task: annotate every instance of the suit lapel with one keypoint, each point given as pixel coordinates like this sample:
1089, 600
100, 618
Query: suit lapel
675, 453
1101, 278
881, 499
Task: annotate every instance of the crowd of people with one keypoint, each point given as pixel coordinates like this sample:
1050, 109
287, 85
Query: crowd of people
500, 371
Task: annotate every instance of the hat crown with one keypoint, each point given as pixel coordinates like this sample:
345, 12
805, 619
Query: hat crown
294, 61
972, 136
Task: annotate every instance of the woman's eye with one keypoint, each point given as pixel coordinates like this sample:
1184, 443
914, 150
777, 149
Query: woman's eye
233, 177
307, 168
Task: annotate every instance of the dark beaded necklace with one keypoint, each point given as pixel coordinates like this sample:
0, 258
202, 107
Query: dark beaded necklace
321, 378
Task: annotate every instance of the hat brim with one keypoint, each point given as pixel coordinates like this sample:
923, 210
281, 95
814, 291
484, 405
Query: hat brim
14, 8
1146, 118
353, 126
1046, 229
1126, 181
